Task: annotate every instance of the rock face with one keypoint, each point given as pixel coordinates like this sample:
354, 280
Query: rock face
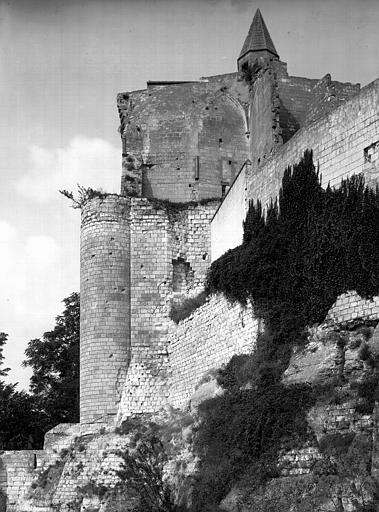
82, 467
339, 470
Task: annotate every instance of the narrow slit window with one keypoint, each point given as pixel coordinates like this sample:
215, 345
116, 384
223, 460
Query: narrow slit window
197, 167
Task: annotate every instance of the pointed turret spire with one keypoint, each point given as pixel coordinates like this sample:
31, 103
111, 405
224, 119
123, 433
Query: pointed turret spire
258, 40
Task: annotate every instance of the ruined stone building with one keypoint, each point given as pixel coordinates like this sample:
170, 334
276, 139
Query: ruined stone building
209, 146
194, 154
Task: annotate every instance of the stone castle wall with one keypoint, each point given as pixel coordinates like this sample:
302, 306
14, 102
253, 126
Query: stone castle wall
184, 141
351, 307
339, 141
344, 142
16, 474
105, 305
170, 254
205, 341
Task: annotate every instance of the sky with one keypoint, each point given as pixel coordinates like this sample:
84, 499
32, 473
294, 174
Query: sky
62, 63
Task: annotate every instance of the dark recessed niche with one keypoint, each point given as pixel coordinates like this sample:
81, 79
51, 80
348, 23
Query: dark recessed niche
371, 152
181, 270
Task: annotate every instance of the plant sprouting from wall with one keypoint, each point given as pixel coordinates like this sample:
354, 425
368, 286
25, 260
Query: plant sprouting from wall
84, 194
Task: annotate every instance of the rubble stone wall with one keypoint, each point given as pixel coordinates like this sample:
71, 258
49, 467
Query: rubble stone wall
207, 340
170, 256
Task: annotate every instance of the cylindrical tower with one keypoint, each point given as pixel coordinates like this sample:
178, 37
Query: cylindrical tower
104, 305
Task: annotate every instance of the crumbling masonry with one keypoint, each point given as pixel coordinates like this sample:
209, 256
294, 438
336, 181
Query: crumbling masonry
209, 146
193, 155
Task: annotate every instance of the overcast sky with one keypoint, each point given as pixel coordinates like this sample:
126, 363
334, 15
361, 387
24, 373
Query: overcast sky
62, 62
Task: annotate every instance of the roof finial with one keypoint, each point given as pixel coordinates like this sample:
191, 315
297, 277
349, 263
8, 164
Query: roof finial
258, 39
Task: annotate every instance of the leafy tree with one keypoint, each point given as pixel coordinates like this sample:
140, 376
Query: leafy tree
55, 363
19, 416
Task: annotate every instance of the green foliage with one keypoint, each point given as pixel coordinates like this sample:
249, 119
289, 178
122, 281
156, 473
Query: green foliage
183, 310
84, 195
312, 245
93, 489
345, 472
142, 473
336, 443
48, 478
309, 247
55, 363
245, 429
367, 356
368, 391
173, 208
19, 415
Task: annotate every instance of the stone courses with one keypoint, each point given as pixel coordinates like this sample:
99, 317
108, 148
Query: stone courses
166, 127
336, 419
105, 305
87, 454
16, 473
350, 307
160, 234
338, 141
205, 341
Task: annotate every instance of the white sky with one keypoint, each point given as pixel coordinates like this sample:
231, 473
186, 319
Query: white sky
62, 62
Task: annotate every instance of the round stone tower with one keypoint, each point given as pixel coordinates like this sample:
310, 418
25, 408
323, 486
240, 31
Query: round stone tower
104, 305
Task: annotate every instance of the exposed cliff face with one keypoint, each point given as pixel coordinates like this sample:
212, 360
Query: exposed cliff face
338, 470
335, 470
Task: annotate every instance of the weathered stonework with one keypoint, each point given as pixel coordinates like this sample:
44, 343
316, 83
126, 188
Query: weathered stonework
343, 143
230, 138
160, 235
207, 340
105, 305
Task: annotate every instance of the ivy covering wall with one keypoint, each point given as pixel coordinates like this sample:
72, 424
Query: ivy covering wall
308, 247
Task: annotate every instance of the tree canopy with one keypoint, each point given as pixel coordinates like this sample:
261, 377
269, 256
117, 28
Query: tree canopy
54, 385
54, 359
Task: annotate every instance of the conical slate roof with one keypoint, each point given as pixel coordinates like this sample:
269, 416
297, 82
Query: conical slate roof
258, 38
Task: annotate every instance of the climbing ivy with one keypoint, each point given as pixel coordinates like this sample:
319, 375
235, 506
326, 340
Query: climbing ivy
307, 248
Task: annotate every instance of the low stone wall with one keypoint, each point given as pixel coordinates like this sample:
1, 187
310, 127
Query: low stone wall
17, 472
207, 340
350, 306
